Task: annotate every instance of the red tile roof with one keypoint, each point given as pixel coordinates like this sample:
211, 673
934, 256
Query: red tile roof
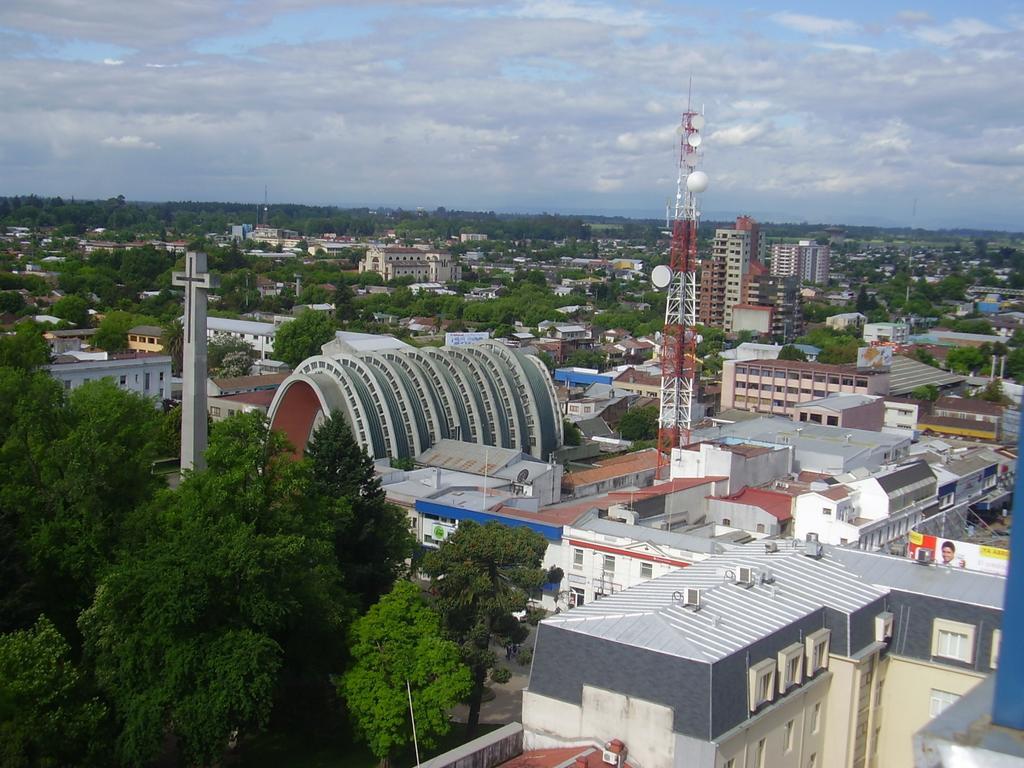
778, 505
617, 467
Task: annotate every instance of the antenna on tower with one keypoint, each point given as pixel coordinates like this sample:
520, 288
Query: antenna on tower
679, 337
266, 208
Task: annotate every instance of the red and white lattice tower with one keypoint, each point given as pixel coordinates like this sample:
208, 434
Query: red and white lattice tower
679, 337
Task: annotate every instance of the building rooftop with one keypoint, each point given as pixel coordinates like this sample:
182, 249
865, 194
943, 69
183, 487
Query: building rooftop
839, 402
147, 330
968, 405
778, 505
609, 468
262, 398
677, 540
472, 458
731, 616
664, 489
905, 375
239, 383
229, 325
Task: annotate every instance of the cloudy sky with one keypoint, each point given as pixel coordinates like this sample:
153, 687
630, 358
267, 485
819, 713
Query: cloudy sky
854, 112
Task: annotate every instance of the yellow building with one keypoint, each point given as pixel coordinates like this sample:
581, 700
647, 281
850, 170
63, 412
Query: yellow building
146, 338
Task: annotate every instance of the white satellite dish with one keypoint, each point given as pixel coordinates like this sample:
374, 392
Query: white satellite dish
693, 140
691, 159
661, 276
697, 121
697, 182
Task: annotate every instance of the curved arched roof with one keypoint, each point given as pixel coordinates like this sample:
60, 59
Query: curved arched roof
399, 402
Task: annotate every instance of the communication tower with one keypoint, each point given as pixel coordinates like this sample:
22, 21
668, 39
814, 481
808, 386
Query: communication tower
679, 277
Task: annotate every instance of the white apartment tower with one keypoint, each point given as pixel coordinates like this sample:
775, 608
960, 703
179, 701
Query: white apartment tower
805, 259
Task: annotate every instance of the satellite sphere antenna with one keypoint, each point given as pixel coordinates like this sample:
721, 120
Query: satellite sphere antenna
697, 121
697, 182
661, 276
693, 140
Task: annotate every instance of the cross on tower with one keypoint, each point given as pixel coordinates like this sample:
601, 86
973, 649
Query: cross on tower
193, 279
197, 282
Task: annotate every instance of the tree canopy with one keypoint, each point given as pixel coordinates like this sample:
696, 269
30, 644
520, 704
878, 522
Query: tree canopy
398, 643
302, 337
482, 574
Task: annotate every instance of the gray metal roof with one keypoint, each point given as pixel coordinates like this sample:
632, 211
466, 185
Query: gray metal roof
470, 457
840, 402
906, 375
731, 616
935, 580
676, 540
904, 476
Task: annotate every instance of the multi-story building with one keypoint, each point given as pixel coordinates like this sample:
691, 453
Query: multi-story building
782, 654
806, 260
886, 333
146, 374
423, 265
870, 512
776, 298
259, 336
779, 386
146, 338
734, 253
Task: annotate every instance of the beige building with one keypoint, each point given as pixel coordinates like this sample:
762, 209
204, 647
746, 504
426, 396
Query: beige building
772, 655
779, 386
420, 264
146, 338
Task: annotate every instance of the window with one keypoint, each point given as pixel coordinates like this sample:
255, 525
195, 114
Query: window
730, 763
816, 718
575, 597
790, 666
726, 521
215, 410
146, 380
827, 511
816, 649
122, 380
577, 559
759, 754
609, 564
997, 639
832, 421
939, 701
761, 683
787, 737
760, 527
953, 640
646, 570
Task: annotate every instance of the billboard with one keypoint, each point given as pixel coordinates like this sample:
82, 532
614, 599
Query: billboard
874, 358
466, 338
960, 554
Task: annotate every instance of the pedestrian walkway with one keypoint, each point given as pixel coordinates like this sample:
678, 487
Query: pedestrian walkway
507, 704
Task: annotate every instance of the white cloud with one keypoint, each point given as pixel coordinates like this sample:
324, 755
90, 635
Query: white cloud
113, 62
954, 31
813, 25
736, 135
129, 142
846, 47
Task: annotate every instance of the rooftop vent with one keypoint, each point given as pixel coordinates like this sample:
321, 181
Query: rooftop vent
688, 598
812, 547
770, 547
767, 577
745, 576
924, 556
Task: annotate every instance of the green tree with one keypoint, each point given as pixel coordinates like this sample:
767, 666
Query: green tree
231, 583
73, 309
587, 358
398, 643
482, 574
47, 717
571, 433
25, 348
928, 392
993, 393
639, 423
371, 536
789, 352
173, 340
302, 337
11, 301
112, 333
711, 365
922, 355
965, 360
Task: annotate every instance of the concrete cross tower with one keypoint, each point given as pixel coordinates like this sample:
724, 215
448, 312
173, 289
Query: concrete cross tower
197, 282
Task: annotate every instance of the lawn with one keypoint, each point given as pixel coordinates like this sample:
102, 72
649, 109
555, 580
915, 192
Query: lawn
331, 749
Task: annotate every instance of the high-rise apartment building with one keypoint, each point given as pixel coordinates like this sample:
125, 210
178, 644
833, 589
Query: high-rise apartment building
805, 260
779, 294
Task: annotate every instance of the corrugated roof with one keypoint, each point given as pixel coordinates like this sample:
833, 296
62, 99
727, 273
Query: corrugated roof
622, 465
778, 505
904, 476
906, 375
732, 616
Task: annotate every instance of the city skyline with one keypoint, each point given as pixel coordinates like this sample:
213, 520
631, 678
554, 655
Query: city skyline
873, 115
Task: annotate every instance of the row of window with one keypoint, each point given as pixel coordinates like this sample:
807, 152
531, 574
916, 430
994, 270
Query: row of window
788, 742
786, 671
608, 564
819, 378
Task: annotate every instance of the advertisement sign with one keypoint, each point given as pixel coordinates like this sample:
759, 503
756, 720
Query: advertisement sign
465, 338
874, 358
960, 554
437, 530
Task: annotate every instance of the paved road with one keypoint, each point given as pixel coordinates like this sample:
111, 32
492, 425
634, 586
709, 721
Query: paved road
507, 704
